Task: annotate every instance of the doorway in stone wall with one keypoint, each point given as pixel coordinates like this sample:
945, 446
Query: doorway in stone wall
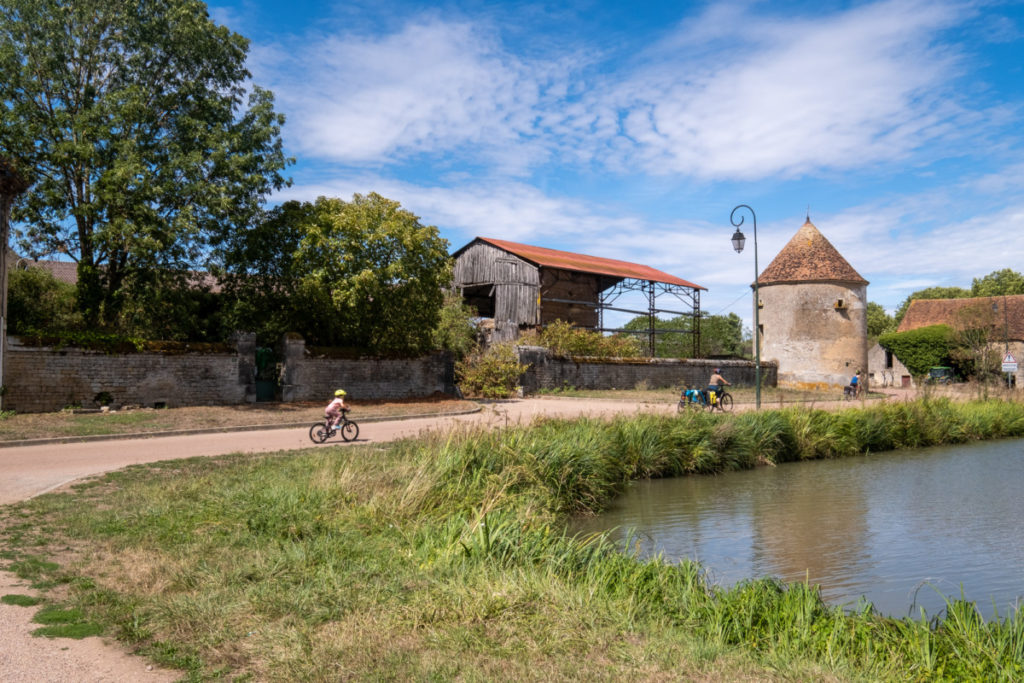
267, 373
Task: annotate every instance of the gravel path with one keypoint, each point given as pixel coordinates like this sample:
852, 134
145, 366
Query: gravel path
27, 471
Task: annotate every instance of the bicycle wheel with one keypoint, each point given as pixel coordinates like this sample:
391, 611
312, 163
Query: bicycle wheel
350, 431
725, 403
318, 433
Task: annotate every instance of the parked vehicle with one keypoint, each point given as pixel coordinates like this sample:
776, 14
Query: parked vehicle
941, 375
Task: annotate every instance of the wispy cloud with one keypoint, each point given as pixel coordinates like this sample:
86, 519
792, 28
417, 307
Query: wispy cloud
729, 94
754, 96
430, 88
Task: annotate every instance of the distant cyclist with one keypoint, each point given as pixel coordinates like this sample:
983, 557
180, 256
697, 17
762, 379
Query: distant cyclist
333, 410
716, 383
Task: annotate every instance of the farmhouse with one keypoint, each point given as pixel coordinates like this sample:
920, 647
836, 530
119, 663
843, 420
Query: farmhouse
521, 286
1001, 316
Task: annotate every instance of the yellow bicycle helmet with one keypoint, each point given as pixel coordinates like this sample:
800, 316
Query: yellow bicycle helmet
339, 392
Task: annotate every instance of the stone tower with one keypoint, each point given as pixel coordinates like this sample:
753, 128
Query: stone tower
813, 314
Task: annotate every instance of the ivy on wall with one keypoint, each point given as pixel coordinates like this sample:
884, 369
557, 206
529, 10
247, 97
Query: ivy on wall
920, 349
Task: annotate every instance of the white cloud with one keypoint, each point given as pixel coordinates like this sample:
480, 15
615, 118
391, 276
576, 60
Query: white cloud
728, 95
430, 88
772, 97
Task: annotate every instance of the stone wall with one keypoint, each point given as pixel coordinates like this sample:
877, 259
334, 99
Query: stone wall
310, 378
550, 372
42, 379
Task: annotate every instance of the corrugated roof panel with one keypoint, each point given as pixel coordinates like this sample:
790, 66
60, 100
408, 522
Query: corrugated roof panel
565, 260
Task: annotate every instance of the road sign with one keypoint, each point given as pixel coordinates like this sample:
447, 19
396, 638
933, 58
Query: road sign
1009, 363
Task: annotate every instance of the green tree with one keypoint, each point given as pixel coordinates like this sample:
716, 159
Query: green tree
998, 283
38, 301
262, 280
720, 335
920, 349
972, 352
129, 116
930, 293
879, 322
455, 330
364, 274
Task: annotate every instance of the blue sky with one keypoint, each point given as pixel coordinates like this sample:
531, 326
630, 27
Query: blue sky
631, 130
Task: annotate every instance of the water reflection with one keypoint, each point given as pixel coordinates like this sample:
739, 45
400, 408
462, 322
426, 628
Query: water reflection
894, 527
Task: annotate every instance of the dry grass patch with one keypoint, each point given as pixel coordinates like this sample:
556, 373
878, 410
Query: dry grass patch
67, 423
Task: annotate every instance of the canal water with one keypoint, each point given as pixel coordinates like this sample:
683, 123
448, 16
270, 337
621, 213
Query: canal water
902, 529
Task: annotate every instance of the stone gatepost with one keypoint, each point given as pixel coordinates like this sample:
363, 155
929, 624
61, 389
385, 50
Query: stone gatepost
293, 350
245, 347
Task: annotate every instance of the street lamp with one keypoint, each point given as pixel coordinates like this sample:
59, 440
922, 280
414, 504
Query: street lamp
738, 240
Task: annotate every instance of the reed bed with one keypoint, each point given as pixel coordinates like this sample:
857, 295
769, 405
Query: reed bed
445, 558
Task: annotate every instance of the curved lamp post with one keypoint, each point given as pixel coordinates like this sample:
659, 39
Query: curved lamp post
738, 240
12, 184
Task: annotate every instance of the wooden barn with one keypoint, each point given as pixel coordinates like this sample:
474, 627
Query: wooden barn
521, 286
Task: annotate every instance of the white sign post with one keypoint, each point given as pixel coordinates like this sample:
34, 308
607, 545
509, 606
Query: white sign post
1009, 363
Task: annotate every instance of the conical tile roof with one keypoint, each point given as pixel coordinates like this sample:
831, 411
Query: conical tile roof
809, 257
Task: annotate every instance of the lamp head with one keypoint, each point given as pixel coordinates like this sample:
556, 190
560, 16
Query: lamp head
738, 240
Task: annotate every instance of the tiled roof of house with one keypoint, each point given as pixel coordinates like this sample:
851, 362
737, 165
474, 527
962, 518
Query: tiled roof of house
64, 271
1005, 314
67, 271
809, 257
566, 260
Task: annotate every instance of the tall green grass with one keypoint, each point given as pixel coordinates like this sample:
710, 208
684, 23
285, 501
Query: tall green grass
445, 558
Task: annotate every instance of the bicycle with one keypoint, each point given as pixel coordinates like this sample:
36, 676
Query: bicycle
699, 400
722, 401
321, 431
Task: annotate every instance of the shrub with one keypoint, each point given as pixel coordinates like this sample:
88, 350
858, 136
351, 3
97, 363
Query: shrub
494, 373
37, 300
920, 349
565, 340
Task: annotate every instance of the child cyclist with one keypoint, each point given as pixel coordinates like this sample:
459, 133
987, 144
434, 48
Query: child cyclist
332, 412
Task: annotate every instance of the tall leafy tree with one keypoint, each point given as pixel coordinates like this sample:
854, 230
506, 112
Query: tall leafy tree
364, 274
998, 283
132, 119
879, 322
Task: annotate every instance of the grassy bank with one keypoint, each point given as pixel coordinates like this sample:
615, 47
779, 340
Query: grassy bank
445, 559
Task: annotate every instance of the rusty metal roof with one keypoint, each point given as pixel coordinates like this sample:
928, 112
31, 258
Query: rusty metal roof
566, 260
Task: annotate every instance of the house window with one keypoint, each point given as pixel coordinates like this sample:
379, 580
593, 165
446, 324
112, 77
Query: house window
888, 360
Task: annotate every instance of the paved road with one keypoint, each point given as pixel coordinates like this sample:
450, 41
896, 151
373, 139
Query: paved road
27, 471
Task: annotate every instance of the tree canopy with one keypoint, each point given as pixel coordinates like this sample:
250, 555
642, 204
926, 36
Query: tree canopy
720, 335
130, 120
998, 283
879, 322
364, 274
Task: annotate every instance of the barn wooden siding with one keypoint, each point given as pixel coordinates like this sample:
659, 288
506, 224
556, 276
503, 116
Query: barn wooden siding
516, 286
